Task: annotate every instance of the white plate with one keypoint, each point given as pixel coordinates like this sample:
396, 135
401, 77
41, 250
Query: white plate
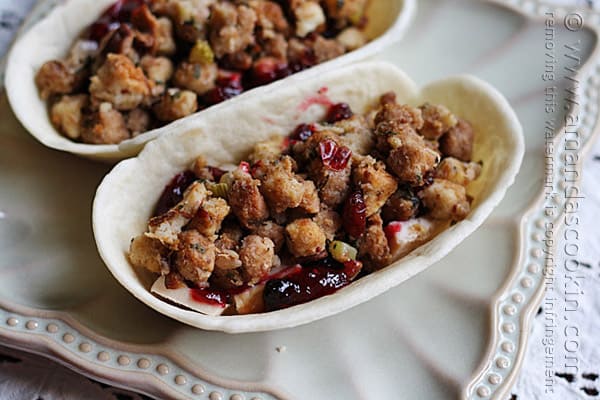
458, 328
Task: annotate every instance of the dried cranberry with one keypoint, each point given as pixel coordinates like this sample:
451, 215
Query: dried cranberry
392, 230
229, 79
333, 156
118, 38
173, 192
123, 9
245, 167
340, 158
355, 215
220, 94
352, 268
303, 132
256, 168
307, 284
100, 29
229, 84
267, 70
306, 60
287, 143
338, 112
111, 19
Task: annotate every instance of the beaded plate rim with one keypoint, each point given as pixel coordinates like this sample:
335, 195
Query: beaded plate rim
56, 335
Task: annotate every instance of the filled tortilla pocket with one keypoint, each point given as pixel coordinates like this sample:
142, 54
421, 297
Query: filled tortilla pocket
100, 78
279, 210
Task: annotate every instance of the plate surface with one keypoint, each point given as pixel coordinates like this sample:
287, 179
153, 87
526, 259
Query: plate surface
458, 329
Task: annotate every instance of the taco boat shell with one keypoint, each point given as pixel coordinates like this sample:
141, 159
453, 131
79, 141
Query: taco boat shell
224, 135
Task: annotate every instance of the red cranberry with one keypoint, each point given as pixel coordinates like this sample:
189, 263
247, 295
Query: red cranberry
392, 229
338, 112
307, 284
100, 29
267, 70
333, 156
118, 38
303, 132
211, 296
173, 192
125, 8
306, 60
111, 19
287, 143
245, 167
352, 268
112, 12
355, 215
256, 168
229, 79
229, 84
220, 94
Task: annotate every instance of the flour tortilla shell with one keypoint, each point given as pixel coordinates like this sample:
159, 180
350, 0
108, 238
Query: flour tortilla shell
126, 197
52, 37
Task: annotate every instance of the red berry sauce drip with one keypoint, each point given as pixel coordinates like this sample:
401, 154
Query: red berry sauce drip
307, 284
355, 215
229, 84
120, 12
216, 297
173, 192
211, 297
338, 112
333, 156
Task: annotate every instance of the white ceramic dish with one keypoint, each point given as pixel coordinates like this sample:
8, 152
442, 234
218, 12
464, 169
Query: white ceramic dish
127, 196
457, 330
52, 37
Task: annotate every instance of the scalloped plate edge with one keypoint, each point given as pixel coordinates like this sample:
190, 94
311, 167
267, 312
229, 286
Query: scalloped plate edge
58, 336
515, 302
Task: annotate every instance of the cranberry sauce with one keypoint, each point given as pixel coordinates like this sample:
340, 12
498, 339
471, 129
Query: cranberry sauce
119, 13
307, 284
210, 296
215, 297
173, 192
355, 215
223, 297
